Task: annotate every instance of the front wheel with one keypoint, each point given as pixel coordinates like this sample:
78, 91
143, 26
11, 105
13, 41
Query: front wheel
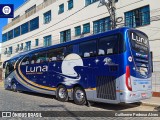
14, 87
79, 96
62, 93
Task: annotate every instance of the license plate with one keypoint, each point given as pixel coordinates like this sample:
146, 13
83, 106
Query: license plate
143, 94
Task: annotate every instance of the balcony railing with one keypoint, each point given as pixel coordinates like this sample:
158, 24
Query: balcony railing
24, 16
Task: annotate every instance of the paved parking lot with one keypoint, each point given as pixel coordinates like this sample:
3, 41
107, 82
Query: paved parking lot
15, 101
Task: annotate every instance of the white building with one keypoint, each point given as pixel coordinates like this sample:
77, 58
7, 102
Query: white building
48, 22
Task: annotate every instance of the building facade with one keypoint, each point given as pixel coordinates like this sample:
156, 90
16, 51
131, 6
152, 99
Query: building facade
49, 22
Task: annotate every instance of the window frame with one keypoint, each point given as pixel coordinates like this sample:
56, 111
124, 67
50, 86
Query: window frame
53, 51
37, 55
47, 17
65, 36
85, 27
25, 28
79, 32
61, 8
130, 19
36, 42
34, 24
17, 31
120, 38
47, 39
28, 58
70, 2
95, 54
10, 35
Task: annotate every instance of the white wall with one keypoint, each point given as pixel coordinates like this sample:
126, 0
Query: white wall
88, 14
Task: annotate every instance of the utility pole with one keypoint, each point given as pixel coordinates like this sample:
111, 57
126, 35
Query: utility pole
110, 4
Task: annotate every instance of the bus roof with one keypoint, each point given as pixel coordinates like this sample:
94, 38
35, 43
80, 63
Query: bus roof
123, 29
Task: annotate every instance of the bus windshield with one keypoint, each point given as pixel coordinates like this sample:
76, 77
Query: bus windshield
9, 68
139, 42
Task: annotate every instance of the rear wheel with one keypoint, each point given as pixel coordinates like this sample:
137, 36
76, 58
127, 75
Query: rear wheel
62, 93
79, 96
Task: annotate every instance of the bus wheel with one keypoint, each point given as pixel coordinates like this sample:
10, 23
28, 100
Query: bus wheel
14, 87
62, 93
79, 96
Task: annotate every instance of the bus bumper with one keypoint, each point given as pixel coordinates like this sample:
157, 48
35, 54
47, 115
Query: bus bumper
132, 97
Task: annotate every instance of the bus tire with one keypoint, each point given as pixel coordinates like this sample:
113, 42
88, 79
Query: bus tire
79, 96
14, 87
62, 93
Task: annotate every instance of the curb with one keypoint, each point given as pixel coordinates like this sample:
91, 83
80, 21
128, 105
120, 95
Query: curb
150, 104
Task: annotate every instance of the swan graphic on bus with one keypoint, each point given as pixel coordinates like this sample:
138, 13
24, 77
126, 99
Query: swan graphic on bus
110, 67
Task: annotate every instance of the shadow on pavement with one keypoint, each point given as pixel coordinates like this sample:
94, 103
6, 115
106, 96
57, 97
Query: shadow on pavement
104, 106
157, 108
115, 107
38, 95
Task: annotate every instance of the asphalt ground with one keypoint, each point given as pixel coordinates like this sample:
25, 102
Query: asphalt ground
24, 101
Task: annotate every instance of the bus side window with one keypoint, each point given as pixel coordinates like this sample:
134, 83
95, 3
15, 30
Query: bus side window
56, 54
60, 53
41, 57
38, 58
9, 68
88, 49
108, 45
69, 50
25, 61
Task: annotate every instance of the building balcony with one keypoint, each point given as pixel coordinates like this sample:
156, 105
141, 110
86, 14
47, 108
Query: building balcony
28, 14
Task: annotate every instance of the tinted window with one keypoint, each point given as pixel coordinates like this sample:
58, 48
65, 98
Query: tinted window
56, 54
69, 50
25, 61
38, 58
110, 45
88, 49
9, 68
139, 42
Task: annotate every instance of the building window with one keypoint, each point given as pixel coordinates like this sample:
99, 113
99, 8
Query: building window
86, 28
61, 8
24, 28
10, 51
4, 37
47, 41
28, 46
34, 24
5, 52
17, 31
138, 17
10, 35
36, 42
70, 4
88, 2
47, 17
77, 30
17, 49
21, 47
65, 36
101, 25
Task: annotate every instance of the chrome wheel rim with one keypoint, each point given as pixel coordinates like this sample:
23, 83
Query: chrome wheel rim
62, 93
79, 95
14, 86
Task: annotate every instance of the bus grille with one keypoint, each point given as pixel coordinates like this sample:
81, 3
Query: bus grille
106, 87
